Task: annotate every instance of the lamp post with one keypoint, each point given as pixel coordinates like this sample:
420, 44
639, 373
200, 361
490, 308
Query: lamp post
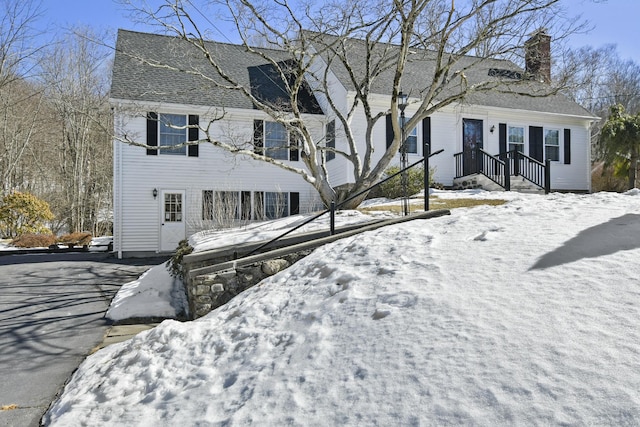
402, 104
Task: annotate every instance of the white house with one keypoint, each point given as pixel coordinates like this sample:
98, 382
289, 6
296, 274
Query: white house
163, 195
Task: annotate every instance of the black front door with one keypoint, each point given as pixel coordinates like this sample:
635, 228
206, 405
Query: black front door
471, 141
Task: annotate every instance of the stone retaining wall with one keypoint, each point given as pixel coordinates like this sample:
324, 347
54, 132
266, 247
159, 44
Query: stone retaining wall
209, 291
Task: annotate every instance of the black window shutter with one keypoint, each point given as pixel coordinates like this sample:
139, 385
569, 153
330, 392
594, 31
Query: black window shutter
194, 134
502, 139
567, 146
389, 131
536, 143
294, 152
258, 137
152, 133
426, 133
294, 203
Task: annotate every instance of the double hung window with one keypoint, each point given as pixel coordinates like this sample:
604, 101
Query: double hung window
276, 141
173, 131
411, 138
165, 132
271, 139
552, 144
515, 137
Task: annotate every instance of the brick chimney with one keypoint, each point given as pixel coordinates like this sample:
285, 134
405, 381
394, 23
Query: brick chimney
538, 56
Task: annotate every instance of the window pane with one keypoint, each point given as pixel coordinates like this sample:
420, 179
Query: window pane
552, 137
275, 141
245, 205
258, 205
173, 207
552, 144
227, 206
207, 204
516, 135
516, 147
276, 205
173, 132
411, 138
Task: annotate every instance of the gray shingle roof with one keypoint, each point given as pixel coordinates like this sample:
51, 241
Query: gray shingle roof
134, 78
158, 68
421, 67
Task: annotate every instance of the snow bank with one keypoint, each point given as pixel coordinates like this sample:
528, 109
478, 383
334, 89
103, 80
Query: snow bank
522, 314
154, 294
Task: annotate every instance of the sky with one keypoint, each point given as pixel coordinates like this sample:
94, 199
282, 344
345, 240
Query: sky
527, 313
614, 21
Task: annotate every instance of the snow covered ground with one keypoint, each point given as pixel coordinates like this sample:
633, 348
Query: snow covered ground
154, 294
521, 314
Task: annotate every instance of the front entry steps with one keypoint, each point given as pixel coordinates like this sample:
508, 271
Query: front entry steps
479, 181
212, 278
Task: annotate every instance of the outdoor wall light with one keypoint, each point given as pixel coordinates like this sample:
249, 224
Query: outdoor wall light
402, 101
155, 193
493, 127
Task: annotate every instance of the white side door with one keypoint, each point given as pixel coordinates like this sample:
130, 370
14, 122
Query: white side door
172, 220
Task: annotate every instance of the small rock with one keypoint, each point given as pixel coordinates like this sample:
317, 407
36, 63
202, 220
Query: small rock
217, 288
274, 266
202, 289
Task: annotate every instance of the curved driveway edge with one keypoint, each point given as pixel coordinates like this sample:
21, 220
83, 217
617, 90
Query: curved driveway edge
52, 310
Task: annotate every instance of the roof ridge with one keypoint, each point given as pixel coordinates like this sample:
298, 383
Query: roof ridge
208, 41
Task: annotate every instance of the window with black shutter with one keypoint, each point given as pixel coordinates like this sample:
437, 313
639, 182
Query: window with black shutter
171, 131
194, 135
567, 146
152, 133
294, 205
536, 143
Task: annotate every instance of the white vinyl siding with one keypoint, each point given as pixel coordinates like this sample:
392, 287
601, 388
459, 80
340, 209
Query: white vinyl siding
137, 213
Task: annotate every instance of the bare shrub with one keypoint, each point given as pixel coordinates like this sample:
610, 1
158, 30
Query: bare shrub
77, 238
30, 240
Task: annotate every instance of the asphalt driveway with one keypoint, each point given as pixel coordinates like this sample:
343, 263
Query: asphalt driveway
51, 316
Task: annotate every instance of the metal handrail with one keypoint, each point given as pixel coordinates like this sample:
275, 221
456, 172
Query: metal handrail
514, 161
493, 168
531, 169
334, 206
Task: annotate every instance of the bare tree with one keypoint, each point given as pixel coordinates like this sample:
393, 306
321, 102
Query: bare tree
373, 44
22, 121
597, 78
21, 102
17, 55
76, 86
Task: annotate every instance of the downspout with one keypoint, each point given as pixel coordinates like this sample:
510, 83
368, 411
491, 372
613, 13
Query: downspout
119, 199
118, 192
